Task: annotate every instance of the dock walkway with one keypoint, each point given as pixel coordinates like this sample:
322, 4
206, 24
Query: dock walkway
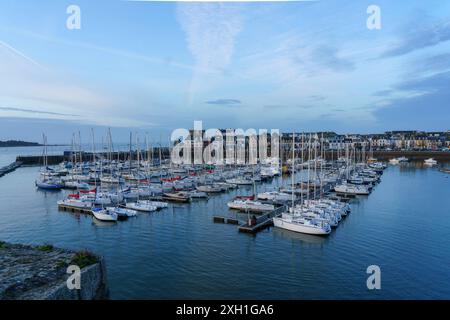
64, 207
262, 221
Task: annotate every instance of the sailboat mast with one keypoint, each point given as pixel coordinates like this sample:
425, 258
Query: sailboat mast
315, 165
293, 169
130, 153
301, 172
309, 165
321, 165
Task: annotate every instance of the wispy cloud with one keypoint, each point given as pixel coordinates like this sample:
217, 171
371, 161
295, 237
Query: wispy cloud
275, 106
427, 106
382, 93
36, 91
328, 57
225, 102
317, 98
440, 81
211, 29
420, 39
433, 63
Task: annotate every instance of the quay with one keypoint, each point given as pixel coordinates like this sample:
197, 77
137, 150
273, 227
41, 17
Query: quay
384, 155
10, 168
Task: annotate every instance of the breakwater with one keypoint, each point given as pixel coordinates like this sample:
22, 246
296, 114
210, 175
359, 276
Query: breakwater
10, 168
88, 156
40, 273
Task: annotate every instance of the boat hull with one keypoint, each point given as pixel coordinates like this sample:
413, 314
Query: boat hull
295, 227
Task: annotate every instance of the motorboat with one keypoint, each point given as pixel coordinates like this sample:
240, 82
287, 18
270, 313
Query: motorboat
179, 196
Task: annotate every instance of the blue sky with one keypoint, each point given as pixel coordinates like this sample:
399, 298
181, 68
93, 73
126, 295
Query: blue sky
155, 66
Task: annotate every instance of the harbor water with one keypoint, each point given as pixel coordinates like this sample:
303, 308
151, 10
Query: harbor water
180, 253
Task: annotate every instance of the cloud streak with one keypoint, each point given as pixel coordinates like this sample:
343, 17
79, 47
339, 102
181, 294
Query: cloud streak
224, 102
20, 54
37, 111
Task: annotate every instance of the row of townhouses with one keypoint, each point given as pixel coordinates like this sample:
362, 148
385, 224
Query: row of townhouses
390, 140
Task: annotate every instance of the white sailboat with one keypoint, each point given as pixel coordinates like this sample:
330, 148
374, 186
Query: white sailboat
430, 162
394, 161
104, 214
300, 224
250, 205
351, 189
239, 181
141, 206
122, 211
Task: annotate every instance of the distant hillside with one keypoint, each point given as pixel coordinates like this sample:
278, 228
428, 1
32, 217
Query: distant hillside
16, 143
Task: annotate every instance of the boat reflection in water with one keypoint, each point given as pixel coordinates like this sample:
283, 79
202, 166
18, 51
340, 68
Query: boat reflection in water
103, 224
296, 236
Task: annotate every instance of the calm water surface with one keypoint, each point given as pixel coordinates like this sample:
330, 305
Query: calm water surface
403, 227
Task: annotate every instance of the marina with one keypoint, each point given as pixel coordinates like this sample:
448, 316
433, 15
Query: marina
224, 156
109, 187
211, 230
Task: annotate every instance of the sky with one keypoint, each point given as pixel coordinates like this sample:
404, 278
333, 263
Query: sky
152, 67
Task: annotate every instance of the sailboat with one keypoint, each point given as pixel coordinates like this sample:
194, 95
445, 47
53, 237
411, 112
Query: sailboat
394, 161
47, 181
122, 213
250, 205
430, 162
300, 224
103, 214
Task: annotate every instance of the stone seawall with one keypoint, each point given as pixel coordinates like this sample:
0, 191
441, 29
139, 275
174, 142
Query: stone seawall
40, 273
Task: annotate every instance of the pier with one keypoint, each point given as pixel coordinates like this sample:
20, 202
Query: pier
226, 220
64, 207
262, 221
